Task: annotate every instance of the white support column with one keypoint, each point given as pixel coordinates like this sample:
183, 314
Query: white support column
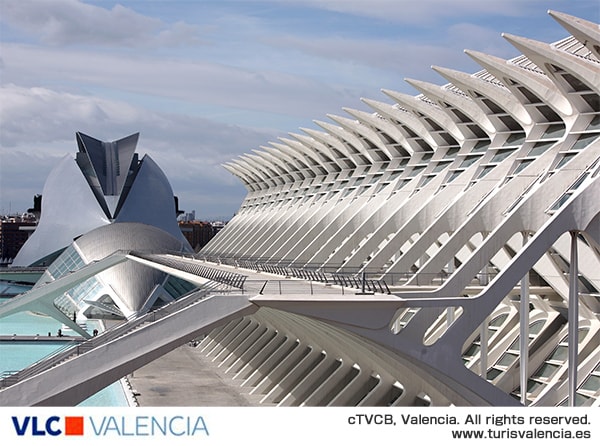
450, 310
449, 316
483, 340
573, 318
524, 331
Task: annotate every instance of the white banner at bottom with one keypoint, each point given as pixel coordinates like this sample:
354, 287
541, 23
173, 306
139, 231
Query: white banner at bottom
278, 425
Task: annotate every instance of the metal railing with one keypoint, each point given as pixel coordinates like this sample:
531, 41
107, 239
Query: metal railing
378, 279
182, 263
347, 278
286, 286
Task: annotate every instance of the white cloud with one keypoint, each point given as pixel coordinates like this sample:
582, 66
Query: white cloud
66, 22
31, 115
424, 11
188, 80
399, 57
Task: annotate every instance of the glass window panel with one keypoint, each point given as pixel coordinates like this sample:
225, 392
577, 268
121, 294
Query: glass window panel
592, 383
441, 166
481, 146
427, 156
416, 171
579, 181
454, 175
548, 113
533, 385
593, 100
580, 400
595, 123
576, 83
426, 180
494, 108
515, 139
448, 138
554, 131
510, 122
502, 155
522, 166
485, 171
498, 321
477, 131
493, 374
540, 148
531, 97
472, 350
560, 202
507, 359
536, 327
460, 115
560, 354
547, 370
469, 161
451, 152
584, 140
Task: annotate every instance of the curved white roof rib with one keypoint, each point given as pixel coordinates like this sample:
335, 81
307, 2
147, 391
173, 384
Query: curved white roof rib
471, 118
476, 87
586, 32
417, 106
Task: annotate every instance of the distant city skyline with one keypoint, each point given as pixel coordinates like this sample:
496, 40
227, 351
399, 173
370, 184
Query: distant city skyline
204, 82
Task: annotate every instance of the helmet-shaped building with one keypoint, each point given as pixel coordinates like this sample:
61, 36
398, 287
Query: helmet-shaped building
103, 201
106, 183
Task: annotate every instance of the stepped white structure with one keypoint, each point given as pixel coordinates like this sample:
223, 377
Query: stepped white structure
476, 203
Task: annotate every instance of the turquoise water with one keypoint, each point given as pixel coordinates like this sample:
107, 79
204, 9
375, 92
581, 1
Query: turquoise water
19, 354
27, 323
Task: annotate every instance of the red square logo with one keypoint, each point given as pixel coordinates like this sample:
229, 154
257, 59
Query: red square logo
73, 425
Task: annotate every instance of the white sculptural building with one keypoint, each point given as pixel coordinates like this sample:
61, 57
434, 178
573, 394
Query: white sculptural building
104, 200
439, 249
477, 201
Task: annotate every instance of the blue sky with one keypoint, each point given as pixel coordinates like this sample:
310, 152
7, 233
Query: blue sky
206, 81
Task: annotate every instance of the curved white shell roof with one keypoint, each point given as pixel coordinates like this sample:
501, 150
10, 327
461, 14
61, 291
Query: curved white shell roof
105, 184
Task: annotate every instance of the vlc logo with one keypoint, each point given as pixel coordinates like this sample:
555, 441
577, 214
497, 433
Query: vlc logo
37, 426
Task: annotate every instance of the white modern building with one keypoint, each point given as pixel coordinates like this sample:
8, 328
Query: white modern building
477, 202
104, 200
105, 183
439, 249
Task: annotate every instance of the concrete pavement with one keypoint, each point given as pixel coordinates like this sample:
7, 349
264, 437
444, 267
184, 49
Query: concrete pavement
183, 377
